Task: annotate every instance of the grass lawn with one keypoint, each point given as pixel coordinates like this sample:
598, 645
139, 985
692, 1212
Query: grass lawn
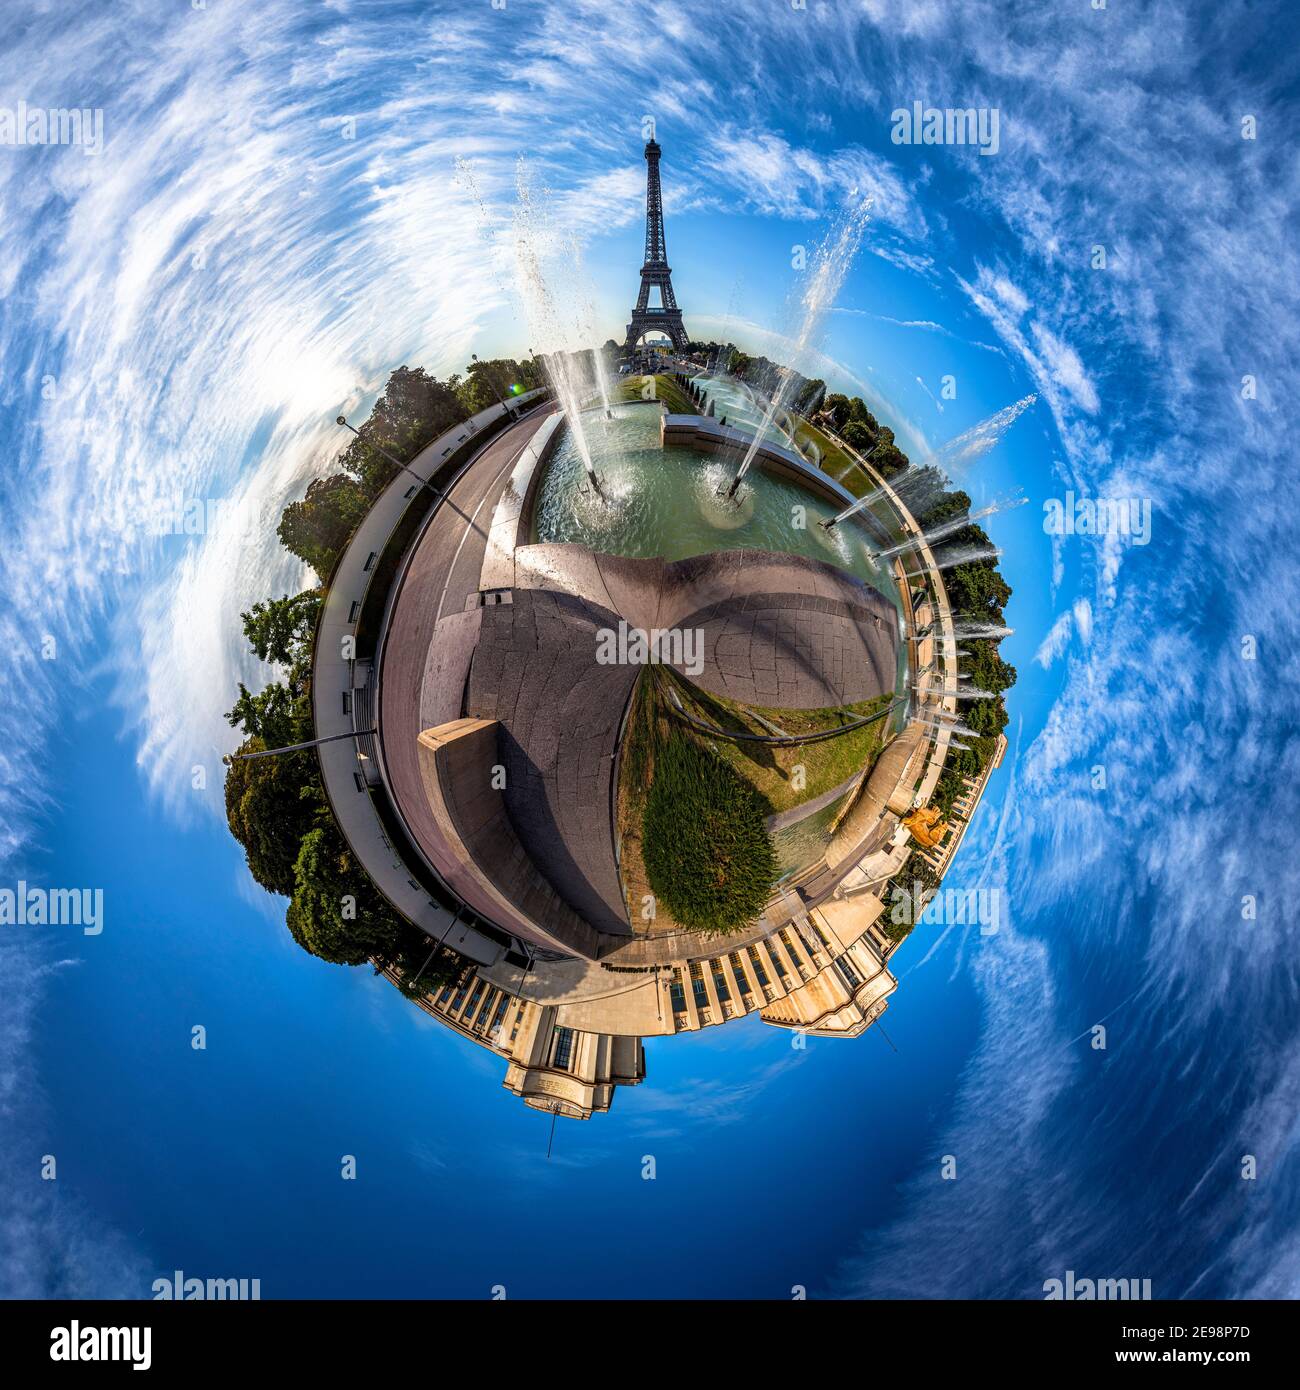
636, 760
834, 460
666, 390
771, 769
690, 825
691, 808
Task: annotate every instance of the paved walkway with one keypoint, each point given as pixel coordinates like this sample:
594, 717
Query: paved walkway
535, 670
808, 636
778, 630
332, 678
795, 651
425, 659
795, 814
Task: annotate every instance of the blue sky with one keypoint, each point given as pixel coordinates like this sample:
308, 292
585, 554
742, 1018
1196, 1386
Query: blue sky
186, 312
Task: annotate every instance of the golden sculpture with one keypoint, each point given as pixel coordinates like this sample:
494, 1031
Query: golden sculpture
926, 826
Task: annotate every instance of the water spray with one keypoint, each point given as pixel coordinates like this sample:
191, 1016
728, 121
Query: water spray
830, 265
545, 320
947, 528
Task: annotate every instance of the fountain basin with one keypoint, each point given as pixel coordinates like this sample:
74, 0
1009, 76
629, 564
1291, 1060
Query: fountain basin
662, 474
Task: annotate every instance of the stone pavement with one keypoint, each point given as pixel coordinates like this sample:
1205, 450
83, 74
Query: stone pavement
779, 630
795, 651
535, 671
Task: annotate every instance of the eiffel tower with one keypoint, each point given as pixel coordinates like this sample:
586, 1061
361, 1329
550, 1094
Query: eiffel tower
655, 272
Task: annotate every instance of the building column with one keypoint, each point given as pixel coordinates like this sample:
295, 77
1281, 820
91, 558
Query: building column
531, 1047
604, 1065
768, 955
585, 1065
688, 994
711, 990
470, 989
810, 942
792, 979
757, 995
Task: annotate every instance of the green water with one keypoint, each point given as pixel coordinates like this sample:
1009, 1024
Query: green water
663, 502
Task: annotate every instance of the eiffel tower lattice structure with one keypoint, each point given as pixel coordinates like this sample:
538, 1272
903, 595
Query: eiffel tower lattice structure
655, 273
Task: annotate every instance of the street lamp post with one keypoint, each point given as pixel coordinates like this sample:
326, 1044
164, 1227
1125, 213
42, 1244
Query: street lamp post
424, 482
297, 747
495, 391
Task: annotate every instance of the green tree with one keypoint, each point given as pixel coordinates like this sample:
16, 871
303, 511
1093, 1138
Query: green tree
413, 411
280, 630
336, 912
485, 384
809, 395
271, 804
906, 900
890, 460
856, 434
986, 668
273, 715
318, 527
837, 407
859, 412
977, 590
425, 967
942, 507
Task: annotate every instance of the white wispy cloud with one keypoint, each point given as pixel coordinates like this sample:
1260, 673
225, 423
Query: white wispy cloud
923, 325
1140, 365
182, 311
1056, 641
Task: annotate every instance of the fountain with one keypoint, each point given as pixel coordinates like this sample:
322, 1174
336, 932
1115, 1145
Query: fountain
600, 368
947, 528
965, 555
977, 441
959, 451
669, 501
976, 631
949, 725
830, 264
545, 322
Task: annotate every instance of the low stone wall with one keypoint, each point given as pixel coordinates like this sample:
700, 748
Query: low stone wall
707, 436
512, 519
888, 791
486, 864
